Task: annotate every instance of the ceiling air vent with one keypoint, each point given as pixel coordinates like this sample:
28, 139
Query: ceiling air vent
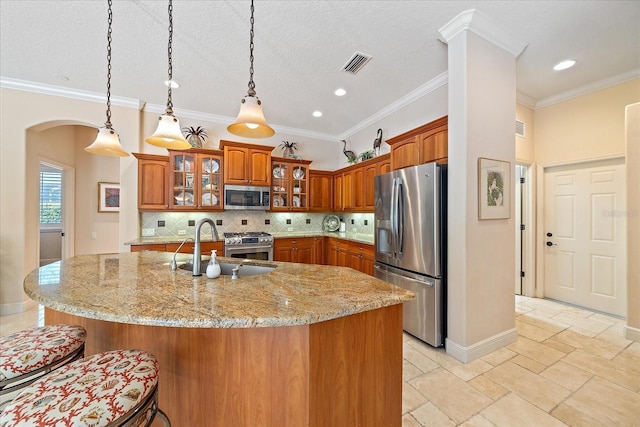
519, 128
356, 62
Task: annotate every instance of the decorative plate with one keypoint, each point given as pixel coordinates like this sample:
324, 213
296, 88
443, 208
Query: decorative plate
214, 166
278, 173
331, 222
296, 201
184, 199
298, 173
278, 201
209, 199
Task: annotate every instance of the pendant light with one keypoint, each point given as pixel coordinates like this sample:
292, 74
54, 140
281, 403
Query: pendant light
107, 143
168, 134
251, 122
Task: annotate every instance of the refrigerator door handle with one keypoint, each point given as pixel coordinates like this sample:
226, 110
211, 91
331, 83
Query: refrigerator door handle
400, 218
393, 218
427, 282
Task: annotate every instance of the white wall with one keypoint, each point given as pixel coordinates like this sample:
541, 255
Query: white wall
633, 222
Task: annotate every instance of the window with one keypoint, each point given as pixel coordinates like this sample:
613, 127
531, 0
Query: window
50, 194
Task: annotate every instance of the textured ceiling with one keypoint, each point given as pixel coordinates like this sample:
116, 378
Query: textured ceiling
300, 47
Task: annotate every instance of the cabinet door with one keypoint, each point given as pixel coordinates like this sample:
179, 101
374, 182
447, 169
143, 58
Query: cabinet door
337, 193
404, 153
331, 256
384, 166
358, 189
183, 181
355, 260
153, 184
210, 191
348, 190
236, 164
299, 187
320, 192
282, 250
281, 190
319, 252
343, 256
433, 145
159, 247
368, 174
304, 251
259, 168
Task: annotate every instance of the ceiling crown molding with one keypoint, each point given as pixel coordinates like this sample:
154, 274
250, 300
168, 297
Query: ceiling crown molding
478, 23
440, 80
10, 83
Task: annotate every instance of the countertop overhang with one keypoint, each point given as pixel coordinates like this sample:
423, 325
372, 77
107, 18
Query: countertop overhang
140, 288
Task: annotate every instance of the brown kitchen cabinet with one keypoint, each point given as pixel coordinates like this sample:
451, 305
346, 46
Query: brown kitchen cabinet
153, 182
290, 189
354, 185
205, 247
319, 252
361, 257
320, 191
425, 144
337, 192
337, 252
300, 250
196, 180
246, 164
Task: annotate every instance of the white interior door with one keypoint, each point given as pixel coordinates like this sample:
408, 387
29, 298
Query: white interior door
585, 235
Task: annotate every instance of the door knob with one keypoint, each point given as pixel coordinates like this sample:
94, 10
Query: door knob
551, 244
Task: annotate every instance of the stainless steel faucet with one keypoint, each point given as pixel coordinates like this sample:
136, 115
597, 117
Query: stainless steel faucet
197, 251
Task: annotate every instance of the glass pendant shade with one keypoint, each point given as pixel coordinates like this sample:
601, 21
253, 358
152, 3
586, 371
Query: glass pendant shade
168, 134
251, 122
107, 143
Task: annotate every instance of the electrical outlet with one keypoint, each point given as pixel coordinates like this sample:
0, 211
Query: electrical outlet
289, 228
182, 232
94, 235
148, 232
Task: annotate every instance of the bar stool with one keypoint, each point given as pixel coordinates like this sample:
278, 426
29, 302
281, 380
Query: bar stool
115, 388
27, 355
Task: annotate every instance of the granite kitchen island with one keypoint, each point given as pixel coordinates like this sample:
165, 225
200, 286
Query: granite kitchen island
303, 345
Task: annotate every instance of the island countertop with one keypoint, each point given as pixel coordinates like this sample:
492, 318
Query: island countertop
139, 288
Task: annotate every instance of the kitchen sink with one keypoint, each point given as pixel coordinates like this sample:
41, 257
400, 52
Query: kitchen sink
226, 267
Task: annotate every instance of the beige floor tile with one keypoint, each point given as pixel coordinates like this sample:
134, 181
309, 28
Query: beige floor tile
566, 375
457, 399
559, 345
635, 348
536, 351
531, 387
594, 400
417, 358
613, 339
529, 364
512, 410
584, 325
470, 370
489, 388
438, 355
499, 356
430, 416
532, 332
546, 323
477, 421
411, 398
605, 368
628, 359
409, 370
409, 421
574, 418
588, 344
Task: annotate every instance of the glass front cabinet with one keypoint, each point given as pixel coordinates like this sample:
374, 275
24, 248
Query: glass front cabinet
195, 180
290, 184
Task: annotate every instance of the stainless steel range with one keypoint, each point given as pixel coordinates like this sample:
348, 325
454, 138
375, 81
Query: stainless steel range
249, 245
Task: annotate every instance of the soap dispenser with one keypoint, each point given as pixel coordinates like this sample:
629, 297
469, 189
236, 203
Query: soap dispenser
213, 268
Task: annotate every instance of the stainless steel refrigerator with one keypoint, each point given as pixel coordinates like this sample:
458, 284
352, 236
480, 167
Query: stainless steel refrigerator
410, 240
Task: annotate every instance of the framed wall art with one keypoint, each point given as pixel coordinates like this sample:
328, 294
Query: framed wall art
108, 197
494, 189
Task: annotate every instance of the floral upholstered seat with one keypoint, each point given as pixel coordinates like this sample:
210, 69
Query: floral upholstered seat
112, 388
31, 350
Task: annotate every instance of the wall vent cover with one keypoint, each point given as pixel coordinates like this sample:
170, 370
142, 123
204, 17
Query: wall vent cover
356, 62
519, 128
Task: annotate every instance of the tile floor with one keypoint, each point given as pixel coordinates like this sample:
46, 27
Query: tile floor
570, 366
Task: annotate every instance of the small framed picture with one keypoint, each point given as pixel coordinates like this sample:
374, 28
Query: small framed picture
108, 197
494, 189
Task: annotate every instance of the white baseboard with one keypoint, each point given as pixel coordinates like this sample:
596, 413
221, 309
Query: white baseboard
482, 348
12, 308
632, 333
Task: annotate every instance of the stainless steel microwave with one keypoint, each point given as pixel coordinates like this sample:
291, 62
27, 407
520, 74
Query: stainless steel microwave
246, 197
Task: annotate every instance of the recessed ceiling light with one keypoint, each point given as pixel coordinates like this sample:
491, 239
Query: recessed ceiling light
563, 65
317, 114
340, 92
173, 83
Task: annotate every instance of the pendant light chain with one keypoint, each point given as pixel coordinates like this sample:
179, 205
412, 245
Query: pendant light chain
108, 122
169, 101
252, 85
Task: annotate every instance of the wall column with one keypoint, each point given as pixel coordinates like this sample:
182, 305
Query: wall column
481, 256
632, 137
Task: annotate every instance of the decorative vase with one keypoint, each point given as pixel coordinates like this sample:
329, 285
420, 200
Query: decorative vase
288, 152
195, 141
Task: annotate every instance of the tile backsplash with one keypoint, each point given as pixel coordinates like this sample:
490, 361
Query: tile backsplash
179, 223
